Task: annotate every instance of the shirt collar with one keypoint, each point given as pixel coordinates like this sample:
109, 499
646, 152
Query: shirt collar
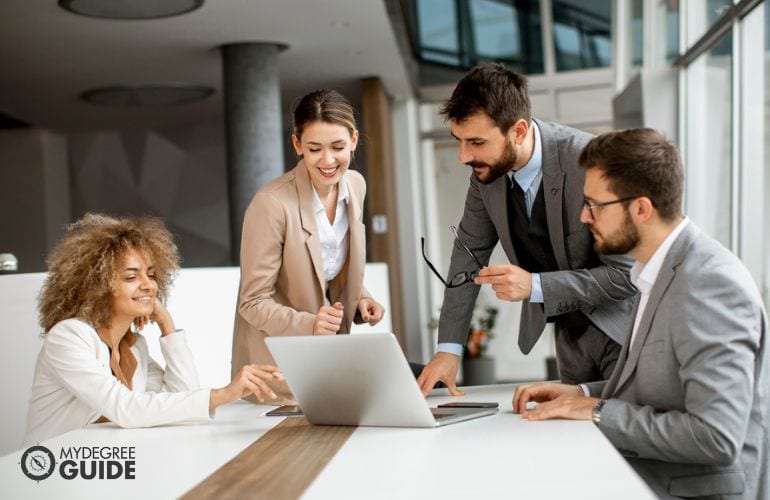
343, 195
527, 174
643, 276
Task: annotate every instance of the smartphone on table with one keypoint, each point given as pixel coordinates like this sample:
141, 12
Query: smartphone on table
467, 404
284, 411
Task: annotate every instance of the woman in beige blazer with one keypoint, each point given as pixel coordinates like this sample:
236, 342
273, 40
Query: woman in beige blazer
303, 248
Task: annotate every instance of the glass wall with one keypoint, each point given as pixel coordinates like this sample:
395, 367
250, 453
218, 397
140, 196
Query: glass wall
581, 33
637, 33
701, 15
760, 209
463, 33
438, 34
709, 142
725, 126
668, 19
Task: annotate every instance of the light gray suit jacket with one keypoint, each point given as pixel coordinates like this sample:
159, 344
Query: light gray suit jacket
596, 286
688, 403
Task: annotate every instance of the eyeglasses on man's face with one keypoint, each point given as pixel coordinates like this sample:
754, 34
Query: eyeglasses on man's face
590, 205
460, 278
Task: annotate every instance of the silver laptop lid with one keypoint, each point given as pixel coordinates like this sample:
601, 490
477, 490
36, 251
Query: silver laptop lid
360, 379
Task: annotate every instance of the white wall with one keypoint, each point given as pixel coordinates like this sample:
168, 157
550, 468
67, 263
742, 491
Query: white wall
21, 338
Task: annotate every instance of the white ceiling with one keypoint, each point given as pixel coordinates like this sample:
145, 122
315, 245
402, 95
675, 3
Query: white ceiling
49, 56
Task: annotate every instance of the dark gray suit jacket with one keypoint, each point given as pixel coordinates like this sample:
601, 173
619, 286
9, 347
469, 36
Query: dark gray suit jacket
689, 405
596, 286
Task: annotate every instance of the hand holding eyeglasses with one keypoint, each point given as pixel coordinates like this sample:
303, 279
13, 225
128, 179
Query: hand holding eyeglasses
462, 277
508, 281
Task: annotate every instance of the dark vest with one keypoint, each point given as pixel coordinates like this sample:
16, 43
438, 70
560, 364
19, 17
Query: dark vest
530, 235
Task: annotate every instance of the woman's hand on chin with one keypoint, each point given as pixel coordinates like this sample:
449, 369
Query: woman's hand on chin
159, 315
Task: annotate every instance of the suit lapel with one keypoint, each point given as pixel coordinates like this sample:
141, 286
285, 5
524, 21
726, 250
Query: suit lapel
553, 187
309, 222
609, 389
675, 256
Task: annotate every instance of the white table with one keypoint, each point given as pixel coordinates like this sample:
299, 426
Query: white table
501, 456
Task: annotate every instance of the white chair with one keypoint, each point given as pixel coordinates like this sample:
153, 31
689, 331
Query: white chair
21, 339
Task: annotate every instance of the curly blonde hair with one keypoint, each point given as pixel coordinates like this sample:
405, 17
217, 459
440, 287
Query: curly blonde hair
82, 268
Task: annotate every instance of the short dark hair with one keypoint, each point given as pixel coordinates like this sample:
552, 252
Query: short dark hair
492, 88
639, 162
323, 105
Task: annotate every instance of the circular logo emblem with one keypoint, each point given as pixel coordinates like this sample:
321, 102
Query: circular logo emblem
37, 463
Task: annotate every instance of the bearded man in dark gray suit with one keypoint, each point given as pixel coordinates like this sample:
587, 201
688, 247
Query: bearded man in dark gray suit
526, 193
688, 402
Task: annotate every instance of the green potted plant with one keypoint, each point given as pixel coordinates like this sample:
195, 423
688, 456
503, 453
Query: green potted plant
479, 369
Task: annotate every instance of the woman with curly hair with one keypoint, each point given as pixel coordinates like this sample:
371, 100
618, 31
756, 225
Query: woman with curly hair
108, 278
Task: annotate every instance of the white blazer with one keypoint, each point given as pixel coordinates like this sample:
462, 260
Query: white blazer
74, 386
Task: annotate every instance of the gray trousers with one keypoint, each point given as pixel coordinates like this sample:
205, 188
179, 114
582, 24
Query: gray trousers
583, 352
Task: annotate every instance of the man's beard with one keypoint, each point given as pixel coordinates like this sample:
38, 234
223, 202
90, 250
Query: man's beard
496, 170
622, 241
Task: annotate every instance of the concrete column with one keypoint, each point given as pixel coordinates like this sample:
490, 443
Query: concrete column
254, 134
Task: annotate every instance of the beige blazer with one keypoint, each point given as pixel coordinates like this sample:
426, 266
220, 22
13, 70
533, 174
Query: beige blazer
282, 284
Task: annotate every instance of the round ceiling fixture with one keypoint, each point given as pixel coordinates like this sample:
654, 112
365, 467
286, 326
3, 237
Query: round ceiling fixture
130, 9
142, 96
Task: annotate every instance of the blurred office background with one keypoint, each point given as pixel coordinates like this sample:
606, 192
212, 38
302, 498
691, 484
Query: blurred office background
104, 107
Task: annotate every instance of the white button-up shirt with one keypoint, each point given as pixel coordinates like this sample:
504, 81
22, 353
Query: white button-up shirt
333, 236
643, 276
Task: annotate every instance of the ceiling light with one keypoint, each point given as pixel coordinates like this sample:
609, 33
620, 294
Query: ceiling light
146, 95
130, 9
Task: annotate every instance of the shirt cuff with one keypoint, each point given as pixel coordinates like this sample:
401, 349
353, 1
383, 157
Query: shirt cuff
536, 294
451, 348
174, 340
586, 392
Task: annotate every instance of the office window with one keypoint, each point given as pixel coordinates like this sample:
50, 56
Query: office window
701, 15
438, 31
463, 33
502, 32
637, 33
663, 35
709, 144
765, 248
668, 12
581, 31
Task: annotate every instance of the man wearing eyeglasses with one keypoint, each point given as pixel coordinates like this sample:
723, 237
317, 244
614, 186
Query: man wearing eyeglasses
526, 193
687, 404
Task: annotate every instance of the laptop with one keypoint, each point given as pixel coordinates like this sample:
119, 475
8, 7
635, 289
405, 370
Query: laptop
361, 379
